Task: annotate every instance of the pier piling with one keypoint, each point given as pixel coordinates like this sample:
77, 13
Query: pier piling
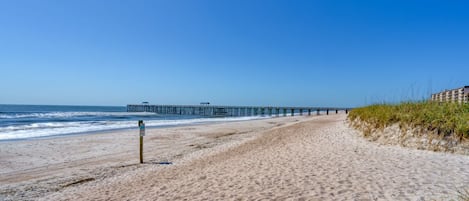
209, 110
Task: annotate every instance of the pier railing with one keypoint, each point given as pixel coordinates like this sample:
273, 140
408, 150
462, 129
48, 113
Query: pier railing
231, 111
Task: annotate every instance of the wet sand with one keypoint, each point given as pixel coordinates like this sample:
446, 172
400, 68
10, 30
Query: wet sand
292, 158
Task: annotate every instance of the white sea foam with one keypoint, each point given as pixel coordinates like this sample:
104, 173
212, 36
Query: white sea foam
34, 130
72, 114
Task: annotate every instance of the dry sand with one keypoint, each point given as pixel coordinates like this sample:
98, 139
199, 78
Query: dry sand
293, 158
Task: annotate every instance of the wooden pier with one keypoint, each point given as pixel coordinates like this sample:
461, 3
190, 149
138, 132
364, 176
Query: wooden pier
231, 111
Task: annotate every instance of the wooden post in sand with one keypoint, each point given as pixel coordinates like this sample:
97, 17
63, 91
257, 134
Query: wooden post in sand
141, 125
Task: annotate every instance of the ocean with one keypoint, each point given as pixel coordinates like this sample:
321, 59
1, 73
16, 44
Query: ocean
38, 121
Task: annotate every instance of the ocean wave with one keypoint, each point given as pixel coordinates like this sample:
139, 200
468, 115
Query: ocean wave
72, 114
46, 129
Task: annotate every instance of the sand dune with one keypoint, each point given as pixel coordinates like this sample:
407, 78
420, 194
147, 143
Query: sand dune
315, 158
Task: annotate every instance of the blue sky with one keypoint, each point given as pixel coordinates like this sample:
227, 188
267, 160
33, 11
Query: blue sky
254, 52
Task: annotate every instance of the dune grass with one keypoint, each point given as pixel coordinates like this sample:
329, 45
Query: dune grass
448, 119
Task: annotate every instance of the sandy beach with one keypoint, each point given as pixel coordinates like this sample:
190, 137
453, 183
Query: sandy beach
288, 158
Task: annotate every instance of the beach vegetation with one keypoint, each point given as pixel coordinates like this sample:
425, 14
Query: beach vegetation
443, 119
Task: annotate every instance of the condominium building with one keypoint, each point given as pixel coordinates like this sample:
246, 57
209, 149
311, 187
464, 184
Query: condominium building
459, 95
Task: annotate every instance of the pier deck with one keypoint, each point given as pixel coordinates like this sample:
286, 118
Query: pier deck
231, 111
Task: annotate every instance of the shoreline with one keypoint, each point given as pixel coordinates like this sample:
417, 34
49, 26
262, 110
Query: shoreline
301, 157
59, 161
104, 131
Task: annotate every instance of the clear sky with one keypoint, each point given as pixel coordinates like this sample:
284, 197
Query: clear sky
253, 52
